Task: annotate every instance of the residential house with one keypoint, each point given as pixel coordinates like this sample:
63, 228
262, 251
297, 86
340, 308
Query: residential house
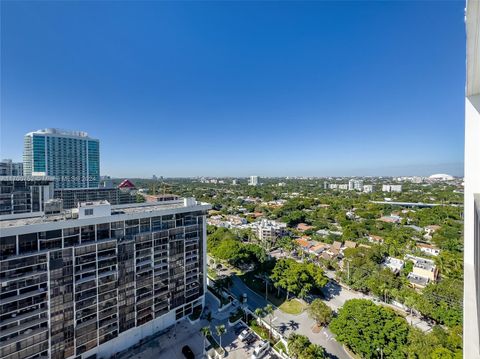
304, 227
375, 239
428, 249
394, 264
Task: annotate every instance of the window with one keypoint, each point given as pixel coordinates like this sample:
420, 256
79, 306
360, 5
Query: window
89, 211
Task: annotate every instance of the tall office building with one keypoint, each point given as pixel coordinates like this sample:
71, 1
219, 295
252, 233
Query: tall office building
253, 181
471, 301
10, 168
96, 280
72, 158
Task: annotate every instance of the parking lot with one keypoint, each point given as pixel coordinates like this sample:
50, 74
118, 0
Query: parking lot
243, 349
169, 345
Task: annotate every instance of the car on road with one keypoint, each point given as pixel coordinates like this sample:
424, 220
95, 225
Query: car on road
244, 334
260, 349
187, 352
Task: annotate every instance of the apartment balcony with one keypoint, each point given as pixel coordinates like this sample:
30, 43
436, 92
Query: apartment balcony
22, 327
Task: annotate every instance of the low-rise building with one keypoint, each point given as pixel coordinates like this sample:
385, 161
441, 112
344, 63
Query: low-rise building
390, 219
302, 227
394, 264
424, 271
368, 188
318, 248
392, 188
349, 244
375, 239
428, 249
303, 243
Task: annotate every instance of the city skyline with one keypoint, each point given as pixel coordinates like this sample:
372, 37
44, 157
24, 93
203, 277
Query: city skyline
269, 89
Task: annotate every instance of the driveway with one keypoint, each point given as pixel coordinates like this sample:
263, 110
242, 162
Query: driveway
288, 323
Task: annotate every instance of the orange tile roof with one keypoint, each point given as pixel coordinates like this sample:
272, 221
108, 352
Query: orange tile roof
303, 227
303, 242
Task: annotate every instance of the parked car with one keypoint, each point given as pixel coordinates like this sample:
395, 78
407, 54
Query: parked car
244, 334
251, 339
260, 350
187, 352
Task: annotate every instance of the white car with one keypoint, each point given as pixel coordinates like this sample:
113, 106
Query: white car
260, 350
244, 334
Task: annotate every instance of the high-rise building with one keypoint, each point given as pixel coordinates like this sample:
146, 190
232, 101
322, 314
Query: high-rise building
71, 157
471, 300
21, 195
355, 184
10, 168
253, 181
351, 185
98, 279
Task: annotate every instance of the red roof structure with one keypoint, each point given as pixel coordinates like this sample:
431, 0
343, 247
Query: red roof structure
126, 184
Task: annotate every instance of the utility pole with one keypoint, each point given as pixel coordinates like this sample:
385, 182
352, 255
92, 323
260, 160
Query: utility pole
348, 272
266, 288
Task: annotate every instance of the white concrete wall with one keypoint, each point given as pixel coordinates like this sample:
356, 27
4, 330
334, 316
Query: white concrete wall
472, 186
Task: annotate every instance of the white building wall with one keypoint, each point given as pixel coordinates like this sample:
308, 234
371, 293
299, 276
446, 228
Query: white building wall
472, 185
471, 338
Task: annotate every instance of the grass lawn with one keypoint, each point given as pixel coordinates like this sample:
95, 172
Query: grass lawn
280, 347
258, 286
293, 306
212, 273
261, 331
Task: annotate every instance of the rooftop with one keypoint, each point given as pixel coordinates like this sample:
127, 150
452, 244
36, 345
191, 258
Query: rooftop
125, 209
418, 280
59, 132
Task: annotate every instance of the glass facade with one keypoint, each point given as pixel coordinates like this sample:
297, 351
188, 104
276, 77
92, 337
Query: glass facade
23, 194
68, 290
73, 159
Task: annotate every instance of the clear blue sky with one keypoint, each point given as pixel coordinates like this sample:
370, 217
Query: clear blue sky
241, 88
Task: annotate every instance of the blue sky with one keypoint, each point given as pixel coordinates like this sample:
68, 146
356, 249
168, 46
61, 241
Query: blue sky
241, 88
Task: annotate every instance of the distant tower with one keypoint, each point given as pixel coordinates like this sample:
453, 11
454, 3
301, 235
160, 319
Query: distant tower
253, 181
71, 157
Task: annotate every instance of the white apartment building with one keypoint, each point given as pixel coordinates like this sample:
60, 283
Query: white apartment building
471, 300
253, 181
267, 231
368, 188
392, 188
343, 186
354, 184
93, 282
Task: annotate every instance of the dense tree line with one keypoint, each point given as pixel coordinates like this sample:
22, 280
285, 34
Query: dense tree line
373, 331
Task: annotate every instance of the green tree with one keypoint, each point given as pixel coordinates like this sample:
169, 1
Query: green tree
205, 332
365, 327
320, 312
220, 331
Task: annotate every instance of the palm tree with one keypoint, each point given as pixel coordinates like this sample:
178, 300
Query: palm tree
259, 314
220, 331
268, 310
205, 332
